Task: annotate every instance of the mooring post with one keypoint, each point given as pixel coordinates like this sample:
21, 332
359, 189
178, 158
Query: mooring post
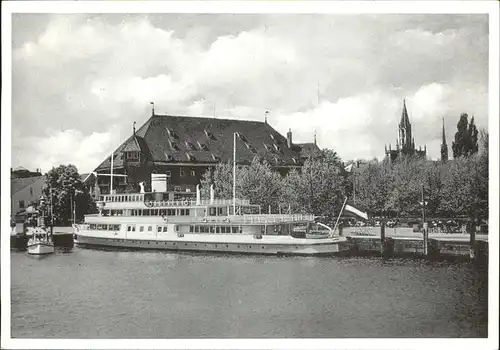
426, 237
472, 239
382, 237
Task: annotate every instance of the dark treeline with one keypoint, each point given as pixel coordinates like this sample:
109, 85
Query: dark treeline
456, 188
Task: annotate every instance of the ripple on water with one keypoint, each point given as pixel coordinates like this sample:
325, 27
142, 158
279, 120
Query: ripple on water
137, 294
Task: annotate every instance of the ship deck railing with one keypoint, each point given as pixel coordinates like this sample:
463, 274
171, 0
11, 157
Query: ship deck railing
245, 219
180, 203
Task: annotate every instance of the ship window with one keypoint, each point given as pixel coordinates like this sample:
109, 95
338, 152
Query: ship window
154, 212
217, 229
197, 229
133, 228
158, 228
234, 229
219, 211
163, 212
171, 212
212, 211
92, 226
141, 228
164, 228
191, 228
212, 229
129, 228
150, 228
147, 212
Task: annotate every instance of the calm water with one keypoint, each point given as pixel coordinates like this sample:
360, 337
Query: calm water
143, 294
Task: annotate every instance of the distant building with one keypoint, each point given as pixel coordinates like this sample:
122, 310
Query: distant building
405, 145
21, 172
183, 148
25, 191
444, 147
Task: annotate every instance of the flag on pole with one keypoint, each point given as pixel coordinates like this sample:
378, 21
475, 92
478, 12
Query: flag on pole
356, 212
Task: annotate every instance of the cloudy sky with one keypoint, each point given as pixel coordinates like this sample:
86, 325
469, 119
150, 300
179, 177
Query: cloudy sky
79, 81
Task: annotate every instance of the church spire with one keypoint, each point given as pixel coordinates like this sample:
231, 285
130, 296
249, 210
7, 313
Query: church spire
444, 147
405, 120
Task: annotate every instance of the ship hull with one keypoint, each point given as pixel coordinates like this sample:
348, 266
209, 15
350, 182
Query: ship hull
40, 248
248, 245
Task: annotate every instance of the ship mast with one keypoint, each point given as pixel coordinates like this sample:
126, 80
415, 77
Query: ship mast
234, 174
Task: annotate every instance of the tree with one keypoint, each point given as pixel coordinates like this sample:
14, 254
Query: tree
319, 189
63, 184
258, 183
465, 188
465, 143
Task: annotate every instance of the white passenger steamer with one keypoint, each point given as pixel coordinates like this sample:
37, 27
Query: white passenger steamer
160, 221
185, 222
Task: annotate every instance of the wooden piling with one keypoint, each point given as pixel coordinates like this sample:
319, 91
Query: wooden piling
472, 240
425, 230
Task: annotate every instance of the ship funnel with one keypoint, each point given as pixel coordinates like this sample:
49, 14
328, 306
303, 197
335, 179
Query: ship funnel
212, 194
198, 195
159, 182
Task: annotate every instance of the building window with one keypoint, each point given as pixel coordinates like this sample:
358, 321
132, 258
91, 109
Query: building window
21, 204
168, 173
177, 188
192, 173
31, 191
181, 172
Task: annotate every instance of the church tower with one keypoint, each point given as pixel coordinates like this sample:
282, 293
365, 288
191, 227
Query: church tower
405, 144
406, 141
444, 147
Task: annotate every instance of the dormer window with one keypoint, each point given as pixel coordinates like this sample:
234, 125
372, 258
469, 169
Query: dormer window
190, 157
294, 160
276, 147
272, 137
172, 133
174, 145
209, 134
266, 146
250, 147
242, 137
169, 157
202, 146
132, 155
190, 146
214, 157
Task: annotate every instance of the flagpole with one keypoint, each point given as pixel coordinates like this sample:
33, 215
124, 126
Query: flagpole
111, 188
234, 173
340, 214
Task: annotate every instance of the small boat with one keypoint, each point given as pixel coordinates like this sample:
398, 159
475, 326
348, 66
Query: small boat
40, 242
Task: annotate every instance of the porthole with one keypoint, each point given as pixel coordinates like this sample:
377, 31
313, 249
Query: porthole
216, 246
262, 247
227, 246
250, 247
238, 246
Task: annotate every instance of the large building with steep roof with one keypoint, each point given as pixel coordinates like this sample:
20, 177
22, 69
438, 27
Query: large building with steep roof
405, 145
183, 148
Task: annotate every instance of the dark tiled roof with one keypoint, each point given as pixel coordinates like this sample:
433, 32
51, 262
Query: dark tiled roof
18, 184
175, 139
308, 150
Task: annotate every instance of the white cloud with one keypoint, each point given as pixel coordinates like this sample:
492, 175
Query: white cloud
82, 75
